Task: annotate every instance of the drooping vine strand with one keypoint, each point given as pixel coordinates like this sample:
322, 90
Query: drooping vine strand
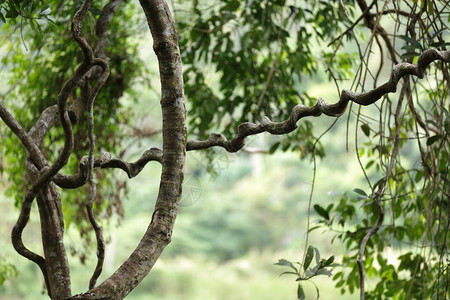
92, 185
47, 173
333, 110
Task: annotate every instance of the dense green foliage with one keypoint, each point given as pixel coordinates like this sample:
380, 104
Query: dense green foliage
40, 59
264, 53
248, 59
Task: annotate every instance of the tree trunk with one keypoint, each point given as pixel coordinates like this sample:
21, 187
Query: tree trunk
159, 231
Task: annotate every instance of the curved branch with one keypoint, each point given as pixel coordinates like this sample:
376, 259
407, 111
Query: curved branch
332, 110
133, 169
31, 147
159, 231
106, 162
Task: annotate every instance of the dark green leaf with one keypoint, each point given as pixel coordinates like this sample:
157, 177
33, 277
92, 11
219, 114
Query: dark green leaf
447, 115
300, 293
293, 273
285, 263
314, 228
366, 129
433, 123
359, 191
12, 13
308, 258
433, 139
412, 41
322, 212
418, 176
274, 147
369, 164
329, 261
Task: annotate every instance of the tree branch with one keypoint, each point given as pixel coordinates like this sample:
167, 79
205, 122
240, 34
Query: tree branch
106, 162
334, 110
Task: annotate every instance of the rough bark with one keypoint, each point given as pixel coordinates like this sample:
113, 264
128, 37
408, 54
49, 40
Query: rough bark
159, 231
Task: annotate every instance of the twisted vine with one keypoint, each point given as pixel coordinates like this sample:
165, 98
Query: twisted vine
321, 107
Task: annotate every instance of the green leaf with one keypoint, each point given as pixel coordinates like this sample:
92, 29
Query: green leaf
274, 147
366, 129
321, 211
286, 263
293, 273
308, 258
2, 18
433, 123
361, 192
300, 293
369, 164
329, 261
418, 176
411, 41
326, 272
433, 139
12, 13
314, 228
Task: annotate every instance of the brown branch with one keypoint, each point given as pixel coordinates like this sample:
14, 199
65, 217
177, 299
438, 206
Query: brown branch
379, 194
27, 141
133, 169
106, 162
159, 231
102, 26
333, 110
47, 173
350, 28
376, 28
92, 186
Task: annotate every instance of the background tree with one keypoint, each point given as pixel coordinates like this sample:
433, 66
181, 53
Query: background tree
264, 53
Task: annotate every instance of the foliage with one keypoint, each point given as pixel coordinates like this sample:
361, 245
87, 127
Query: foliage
7, 270
304, 272
55, 55
248, 59
253, 58
260, 54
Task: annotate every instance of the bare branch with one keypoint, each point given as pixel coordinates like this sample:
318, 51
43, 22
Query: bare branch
106, 162
333, 110
133, 169
26, 140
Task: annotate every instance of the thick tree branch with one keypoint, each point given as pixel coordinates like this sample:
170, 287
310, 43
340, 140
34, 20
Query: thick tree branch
333, 110
159, 231
27, 141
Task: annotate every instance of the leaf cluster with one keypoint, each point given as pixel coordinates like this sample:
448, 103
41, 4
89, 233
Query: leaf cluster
304, 272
